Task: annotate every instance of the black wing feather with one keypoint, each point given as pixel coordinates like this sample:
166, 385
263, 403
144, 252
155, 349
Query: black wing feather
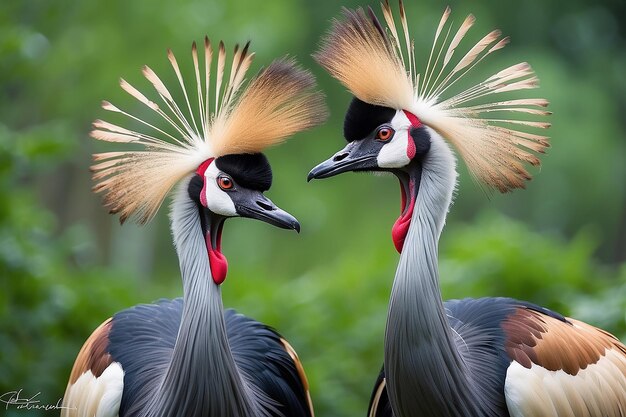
142, 340
260, 354
383, 408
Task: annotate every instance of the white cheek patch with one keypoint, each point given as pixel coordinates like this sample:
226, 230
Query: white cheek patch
394, 153
218, 200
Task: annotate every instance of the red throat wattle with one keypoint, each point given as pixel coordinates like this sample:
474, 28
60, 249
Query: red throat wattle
217, 260
401, 226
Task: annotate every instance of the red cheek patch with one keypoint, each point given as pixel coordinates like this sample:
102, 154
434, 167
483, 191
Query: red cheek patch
200, 171
203, 167
415, 122
410, 147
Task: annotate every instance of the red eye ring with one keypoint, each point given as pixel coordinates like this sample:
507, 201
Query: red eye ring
225, 182
384, 133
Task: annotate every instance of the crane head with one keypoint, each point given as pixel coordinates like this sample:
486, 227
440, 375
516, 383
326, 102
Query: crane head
385, 140
403, 117
233, 186
379, 139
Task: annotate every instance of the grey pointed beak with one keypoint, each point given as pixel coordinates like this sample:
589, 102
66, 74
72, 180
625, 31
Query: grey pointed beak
257, 206
356, 156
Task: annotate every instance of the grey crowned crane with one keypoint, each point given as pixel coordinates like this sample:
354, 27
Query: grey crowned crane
189, 357
471, 357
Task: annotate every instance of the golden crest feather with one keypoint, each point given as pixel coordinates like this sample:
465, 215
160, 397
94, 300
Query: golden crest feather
278, 102
377, 68
361, 57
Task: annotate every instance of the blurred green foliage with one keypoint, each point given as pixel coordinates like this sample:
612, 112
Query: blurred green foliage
65, 265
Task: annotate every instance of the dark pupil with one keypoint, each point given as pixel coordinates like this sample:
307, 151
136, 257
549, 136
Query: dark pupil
225, 182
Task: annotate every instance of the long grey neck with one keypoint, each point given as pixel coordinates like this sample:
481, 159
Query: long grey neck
425, 373
202, 378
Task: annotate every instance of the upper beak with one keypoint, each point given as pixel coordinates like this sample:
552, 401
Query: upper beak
262, 208
354, 157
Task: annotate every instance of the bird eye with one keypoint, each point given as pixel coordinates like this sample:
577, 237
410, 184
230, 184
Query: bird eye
384, 134
224, 182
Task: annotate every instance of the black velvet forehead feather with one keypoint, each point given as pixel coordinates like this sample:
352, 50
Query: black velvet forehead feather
250, 170
362, 118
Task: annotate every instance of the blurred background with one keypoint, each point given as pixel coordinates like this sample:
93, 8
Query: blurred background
66, 265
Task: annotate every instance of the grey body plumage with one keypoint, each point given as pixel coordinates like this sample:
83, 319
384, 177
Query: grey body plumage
201, 346
420, 349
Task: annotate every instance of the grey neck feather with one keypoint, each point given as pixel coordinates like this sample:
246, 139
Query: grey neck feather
425, 373
202, 378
